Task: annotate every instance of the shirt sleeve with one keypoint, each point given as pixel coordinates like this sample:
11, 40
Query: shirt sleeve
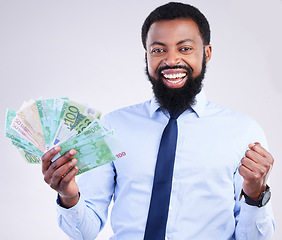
252, 222
87, 218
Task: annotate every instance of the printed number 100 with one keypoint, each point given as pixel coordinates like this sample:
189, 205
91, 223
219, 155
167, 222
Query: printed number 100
120, 155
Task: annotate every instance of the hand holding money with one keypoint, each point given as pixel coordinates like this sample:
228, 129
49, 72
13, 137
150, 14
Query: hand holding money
60, 175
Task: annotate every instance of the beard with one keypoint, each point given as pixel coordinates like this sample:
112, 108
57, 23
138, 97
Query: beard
177, 100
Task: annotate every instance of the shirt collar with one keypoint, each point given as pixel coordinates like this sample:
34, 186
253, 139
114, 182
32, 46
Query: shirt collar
198, 107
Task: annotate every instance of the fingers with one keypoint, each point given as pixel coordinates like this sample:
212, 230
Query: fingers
69, 176
252, 170
62, 175
255, 169
58, 168
256, 147
248, 175
47, 157
257, 160
260, 156
254, 156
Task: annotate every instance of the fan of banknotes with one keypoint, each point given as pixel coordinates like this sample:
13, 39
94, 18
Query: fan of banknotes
41, 124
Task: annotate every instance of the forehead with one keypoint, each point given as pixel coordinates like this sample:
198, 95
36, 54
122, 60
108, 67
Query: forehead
174, 31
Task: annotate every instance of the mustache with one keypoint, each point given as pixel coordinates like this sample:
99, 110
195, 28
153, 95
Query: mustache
187, 68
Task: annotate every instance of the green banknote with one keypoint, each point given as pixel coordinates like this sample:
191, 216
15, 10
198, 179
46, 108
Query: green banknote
41, 124
29, 157
95, 152
73, 115
45, 108
91, 134
61, 105
51, 111
32, 150
87, 122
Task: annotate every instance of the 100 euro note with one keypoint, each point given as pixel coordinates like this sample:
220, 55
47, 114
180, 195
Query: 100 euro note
73, 115
87, 122
94, 147
93, 131
51, 111
29, 157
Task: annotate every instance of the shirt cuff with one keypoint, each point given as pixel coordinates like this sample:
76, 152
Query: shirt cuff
253, 212
262, 217
72, 215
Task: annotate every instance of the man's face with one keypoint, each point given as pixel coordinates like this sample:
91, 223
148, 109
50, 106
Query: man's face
172, 43
176, 59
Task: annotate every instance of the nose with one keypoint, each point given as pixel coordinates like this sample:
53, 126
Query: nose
172, 58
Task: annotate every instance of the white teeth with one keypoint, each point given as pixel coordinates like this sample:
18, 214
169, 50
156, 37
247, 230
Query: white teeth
174, 76
173, 81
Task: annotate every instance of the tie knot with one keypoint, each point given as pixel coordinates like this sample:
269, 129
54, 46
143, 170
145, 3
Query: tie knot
174, 115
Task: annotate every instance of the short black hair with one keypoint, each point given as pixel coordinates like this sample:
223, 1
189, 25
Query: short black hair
177, 10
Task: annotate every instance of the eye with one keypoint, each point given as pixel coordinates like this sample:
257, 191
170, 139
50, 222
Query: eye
158, 51
185, 49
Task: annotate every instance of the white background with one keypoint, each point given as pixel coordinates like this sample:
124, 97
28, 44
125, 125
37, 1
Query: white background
91, 52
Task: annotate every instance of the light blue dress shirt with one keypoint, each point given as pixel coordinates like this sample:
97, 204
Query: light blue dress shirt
206, 184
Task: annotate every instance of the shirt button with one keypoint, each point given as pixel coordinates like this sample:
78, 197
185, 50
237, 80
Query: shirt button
173, 179
69, 215
170, 208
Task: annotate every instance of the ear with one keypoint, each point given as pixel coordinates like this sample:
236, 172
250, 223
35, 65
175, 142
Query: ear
208, 51
146, 56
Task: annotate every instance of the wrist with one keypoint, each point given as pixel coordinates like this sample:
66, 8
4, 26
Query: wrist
68, 202
261, 201
255, 195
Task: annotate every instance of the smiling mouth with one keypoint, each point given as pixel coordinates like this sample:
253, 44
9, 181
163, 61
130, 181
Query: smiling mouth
174, 78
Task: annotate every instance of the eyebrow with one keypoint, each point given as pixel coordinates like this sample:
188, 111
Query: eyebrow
180, 42
185, 40
157, 43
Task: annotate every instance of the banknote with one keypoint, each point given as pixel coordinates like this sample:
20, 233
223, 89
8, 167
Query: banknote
90, 134
44, 123
29, 157
79, 128
32, 150
73, 115
17, 139
45, 108
95, 152
29, 119
50, 111
25, 132
61, 105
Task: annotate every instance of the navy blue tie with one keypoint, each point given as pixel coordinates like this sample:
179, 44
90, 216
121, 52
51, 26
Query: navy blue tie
158, 210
